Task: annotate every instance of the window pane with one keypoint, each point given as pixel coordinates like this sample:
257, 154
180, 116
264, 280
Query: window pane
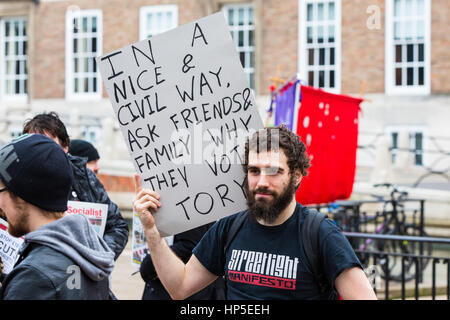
410, 76
310, 15
7, 29
85, 24
75, 65
408, 8
242, 58
250, 16
397, 8
398, 53
252, 80
231, 17
85, 65
311, 57
241, 16
320, 13
94, 24
310, 34
320, 34
331, 33
420, 7
321, 79
421, 76
94, 45
420, 33
16, 28
398, 76
241, 38
332, 56
321, 56
250, 38
421, 54
332, 79
9, 87
311, 78
410, 52
331, 11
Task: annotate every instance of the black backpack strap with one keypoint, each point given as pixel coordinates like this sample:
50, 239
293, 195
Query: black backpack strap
234, 229
310, 241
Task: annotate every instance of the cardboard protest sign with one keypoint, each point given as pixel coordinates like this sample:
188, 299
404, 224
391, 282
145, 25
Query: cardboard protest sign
9, 247
184, 106
95, 212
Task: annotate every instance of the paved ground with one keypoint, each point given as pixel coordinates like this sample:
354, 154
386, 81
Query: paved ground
124, 285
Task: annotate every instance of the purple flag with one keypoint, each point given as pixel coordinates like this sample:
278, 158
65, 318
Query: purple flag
285, 105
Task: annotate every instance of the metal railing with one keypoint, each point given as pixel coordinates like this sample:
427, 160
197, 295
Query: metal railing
418, 274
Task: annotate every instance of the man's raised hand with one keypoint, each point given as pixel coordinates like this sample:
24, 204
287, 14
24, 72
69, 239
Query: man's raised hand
145, 203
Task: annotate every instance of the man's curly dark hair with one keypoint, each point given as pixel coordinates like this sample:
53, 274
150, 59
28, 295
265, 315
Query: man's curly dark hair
289, 142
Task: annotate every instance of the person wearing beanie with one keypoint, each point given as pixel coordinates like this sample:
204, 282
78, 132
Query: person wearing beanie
84, 149
86, 186
62, 256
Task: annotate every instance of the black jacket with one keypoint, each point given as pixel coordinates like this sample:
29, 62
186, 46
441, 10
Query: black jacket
86, 187
183, 244
62, 260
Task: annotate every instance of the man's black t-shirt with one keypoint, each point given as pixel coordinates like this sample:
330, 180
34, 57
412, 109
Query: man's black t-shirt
268, 262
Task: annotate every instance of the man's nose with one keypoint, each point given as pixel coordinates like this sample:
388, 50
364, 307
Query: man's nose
263, 180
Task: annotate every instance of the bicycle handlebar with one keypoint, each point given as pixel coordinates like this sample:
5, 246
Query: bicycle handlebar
402, 194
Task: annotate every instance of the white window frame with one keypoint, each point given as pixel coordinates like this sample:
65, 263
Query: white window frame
303, 46
390, 87
389, 130
21, 97
247, 49
162, 9
70, 15
87, 131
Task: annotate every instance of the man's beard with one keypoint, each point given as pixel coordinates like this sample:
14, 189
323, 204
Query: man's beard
19, 227
269, 210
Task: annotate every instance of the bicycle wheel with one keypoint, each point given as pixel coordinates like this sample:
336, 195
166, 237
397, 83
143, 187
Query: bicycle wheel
418, 249
411, 250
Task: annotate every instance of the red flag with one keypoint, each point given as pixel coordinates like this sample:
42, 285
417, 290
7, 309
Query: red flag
328, 125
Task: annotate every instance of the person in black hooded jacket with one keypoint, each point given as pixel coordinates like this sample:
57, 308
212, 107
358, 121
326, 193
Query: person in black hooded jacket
62, 256
86, 186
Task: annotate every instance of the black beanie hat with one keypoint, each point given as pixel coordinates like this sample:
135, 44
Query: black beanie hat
81, 148
37, 170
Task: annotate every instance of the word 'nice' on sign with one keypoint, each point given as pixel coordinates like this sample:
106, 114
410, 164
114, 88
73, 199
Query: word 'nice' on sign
185, 109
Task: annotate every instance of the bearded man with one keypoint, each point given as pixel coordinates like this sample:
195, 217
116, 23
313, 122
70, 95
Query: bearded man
265, 259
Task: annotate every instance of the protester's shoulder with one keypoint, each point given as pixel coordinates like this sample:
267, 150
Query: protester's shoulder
46, 258
77, 162
228, 221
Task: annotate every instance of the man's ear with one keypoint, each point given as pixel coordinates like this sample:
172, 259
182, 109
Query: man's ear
297, 178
